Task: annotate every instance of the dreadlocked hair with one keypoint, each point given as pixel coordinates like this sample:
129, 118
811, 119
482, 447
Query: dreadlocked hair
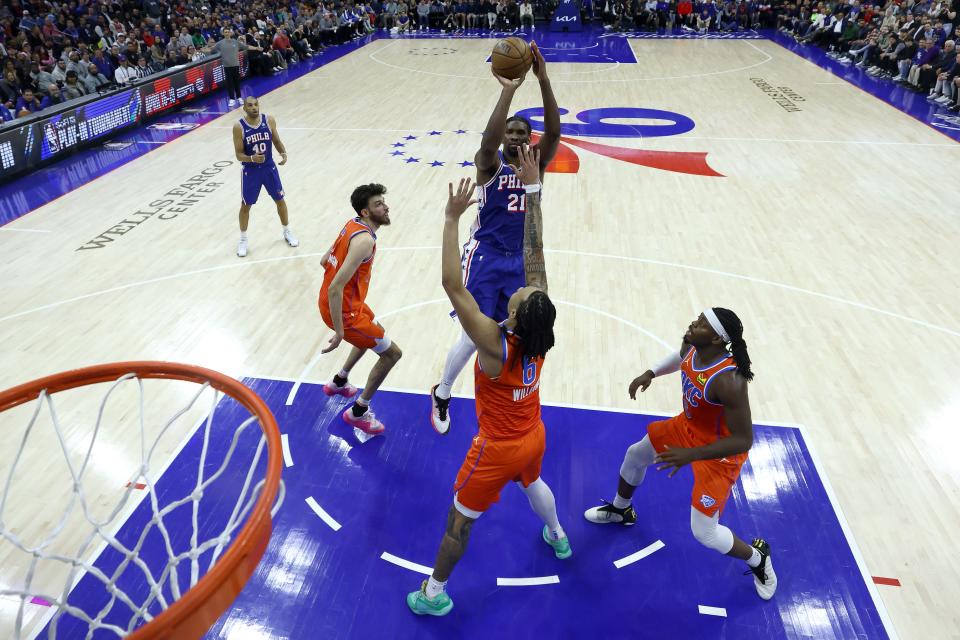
535, 317
738, 346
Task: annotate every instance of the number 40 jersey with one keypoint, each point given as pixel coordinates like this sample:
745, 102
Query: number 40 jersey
258, 140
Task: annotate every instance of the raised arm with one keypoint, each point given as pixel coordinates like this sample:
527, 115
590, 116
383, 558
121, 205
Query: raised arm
483, 331
486, 157
534, 265
550, 139
361, 246
276, 140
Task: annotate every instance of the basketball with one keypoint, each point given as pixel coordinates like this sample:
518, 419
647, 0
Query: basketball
511, 58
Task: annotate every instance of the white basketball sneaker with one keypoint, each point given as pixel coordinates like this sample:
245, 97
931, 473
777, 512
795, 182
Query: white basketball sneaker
290, 238
764, 579
242, 248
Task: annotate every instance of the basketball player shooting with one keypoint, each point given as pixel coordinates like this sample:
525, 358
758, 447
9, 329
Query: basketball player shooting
492, 261
348, 266
713, 435
254, 137
510, 354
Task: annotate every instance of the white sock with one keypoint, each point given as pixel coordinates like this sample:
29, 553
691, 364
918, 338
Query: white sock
363, 403
343, 374
544, 505
457, 358
243, 235
754, 560
435, 588
286, 227
620, 502
558, 533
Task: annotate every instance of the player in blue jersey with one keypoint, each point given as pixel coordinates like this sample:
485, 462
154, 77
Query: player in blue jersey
253, 140
492, 260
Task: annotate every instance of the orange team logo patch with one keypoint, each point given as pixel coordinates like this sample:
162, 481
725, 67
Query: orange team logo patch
701, 379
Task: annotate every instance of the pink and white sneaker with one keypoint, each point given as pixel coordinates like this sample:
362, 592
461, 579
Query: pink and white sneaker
367, 423
347, 390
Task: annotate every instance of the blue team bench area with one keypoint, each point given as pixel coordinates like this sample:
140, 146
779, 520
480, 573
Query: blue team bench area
362, 521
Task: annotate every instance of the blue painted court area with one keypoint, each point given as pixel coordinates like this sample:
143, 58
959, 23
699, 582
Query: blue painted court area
391, 495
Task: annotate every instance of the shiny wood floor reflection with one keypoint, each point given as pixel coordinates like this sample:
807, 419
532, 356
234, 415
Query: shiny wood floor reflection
830, 238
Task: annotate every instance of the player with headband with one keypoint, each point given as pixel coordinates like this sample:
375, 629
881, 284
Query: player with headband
713, 435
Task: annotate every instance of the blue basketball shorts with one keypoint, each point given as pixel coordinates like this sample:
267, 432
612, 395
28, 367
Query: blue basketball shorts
491, 277
255, 177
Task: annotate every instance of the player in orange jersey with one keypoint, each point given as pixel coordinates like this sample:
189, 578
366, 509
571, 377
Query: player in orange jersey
347, 267
713, 435
511, 440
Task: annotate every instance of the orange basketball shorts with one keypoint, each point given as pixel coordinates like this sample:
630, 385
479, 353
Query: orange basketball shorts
490, 464
712, 479
360, 329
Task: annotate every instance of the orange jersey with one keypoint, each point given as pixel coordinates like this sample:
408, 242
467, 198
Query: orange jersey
508, 406
704, 418
355, 291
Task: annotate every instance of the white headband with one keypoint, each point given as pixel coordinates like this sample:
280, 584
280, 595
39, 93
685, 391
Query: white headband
715, 323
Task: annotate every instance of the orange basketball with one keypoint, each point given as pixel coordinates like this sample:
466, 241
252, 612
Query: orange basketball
511, 58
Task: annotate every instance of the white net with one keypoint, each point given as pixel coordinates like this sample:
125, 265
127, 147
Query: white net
127, 573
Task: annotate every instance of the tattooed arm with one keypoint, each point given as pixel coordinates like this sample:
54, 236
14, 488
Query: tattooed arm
528, 168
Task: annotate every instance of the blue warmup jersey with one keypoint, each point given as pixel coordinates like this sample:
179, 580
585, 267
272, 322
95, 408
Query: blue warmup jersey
257, 176
492, 260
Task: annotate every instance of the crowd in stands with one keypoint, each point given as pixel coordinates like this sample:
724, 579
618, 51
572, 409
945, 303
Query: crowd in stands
53, 51
911, 42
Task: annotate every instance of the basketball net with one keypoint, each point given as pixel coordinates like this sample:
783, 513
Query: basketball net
163, 581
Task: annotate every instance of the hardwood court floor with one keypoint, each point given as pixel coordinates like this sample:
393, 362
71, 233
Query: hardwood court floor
830, 233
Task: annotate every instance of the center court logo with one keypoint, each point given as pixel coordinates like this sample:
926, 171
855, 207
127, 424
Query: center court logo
622, 123
615, 122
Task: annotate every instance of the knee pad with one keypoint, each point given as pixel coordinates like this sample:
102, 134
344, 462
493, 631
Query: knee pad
639, 456
709, 532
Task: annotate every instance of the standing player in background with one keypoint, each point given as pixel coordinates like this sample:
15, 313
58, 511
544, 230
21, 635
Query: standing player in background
253, 140
713, 435
492, 261
510, 355
347, 268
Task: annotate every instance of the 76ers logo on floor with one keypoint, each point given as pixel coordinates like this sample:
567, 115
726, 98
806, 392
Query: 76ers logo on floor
649, 123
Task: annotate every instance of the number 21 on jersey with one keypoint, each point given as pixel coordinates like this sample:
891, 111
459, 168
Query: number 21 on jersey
517, 203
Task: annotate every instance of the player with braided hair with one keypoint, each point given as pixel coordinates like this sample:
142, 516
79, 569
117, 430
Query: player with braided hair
713, 435
511, 440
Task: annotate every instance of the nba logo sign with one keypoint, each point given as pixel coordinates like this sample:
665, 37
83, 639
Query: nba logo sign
707, 501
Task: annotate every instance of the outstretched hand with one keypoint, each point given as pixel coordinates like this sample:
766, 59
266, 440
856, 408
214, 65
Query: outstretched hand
507, 83
460, 201
640, 382
528, 166
539, 64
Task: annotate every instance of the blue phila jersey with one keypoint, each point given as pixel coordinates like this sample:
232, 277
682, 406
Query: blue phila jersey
257, 140
503, 207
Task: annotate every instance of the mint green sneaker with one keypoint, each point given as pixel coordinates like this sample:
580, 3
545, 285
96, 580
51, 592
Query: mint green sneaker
561, 547
421, 605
